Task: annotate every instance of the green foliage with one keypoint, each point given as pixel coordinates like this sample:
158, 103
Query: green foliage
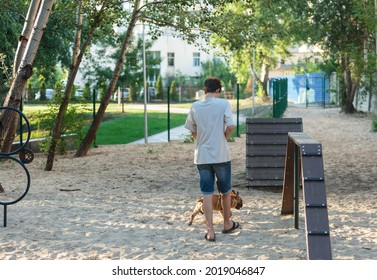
159, 88
374, 124
11, 21
305, 65
5, 76
42, 90
132, 70
188, 138
87, 95
102, 89
132, 95
217, 68
173, 92
74, 122
29, 92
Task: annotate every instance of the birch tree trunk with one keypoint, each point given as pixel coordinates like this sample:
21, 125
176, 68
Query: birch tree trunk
85, 144
77, 43
25, 34
76, 61
8, 119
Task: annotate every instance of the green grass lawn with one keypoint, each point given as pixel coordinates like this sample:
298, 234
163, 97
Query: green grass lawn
116, 127
122, 128
129, 127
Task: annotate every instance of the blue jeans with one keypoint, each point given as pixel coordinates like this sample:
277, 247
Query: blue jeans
208, 173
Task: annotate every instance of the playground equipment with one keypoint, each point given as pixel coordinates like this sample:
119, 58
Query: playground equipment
279, 154
8, 160
304, 164
266, 141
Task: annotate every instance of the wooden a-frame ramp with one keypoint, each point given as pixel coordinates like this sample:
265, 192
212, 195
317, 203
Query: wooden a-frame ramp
304, 164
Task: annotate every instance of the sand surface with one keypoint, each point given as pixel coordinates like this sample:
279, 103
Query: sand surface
134, 201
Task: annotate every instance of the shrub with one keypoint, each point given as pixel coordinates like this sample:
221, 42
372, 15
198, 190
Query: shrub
374, 124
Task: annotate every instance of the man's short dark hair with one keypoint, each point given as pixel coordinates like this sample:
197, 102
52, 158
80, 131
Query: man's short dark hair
212, 84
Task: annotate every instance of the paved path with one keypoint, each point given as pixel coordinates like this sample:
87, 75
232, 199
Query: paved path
177, 133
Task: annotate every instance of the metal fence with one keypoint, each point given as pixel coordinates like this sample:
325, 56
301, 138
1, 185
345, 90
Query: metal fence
280, 96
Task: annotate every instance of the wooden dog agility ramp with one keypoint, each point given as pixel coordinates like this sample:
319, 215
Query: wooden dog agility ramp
266, 141
304, 164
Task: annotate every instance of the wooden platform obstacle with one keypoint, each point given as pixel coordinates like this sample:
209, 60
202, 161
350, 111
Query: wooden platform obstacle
266, 141
304, 166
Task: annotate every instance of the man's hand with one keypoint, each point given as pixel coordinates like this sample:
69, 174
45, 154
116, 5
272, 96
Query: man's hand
228, 131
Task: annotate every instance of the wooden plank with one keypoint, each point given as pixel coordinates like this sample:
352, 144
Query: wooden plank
316, 219
265, 183
318, 247
268, 142
314, 192
273, 129
265, 173
265, 161
266, 150
287, 201
300, 138
273, 120
311, 149
313, 168
266, 137
313, 182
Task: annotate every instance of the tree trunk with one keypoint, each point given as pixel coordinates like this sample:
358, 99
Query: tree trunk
350, 86
8, 120
76, 46
85, 144
25, 34
76, 61
265, 81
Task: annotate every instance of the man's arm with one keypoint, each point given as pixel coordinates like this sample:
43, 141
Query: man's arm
228, 131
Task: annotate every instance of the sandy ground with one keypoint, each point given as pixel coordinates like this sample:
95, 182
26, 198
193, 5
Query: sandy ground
134, 201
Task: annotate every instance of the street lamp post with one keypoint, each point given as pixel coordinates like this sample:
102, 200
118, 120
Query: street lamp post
145, 90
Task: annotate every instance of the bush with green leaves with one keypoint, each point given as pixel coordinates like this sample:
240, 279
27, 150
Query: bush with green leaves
74, 123
374, 124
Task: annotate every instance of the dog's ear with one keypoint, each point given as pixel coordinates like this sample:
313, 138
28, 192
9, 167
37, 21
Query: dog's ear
200, 200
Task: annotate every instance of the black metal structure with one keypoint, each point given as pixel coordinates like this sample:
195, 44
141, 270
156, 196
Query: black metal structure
25, 156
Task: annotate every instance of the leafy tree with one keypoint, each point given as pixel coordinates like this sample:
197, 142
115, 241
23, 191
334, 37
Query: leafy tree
87, 95
14, 96
100, 16
29, 92
184, 16
11, 20
219, 68
42, 91
159, 88
132, 94
97, 67
251, 25
173, 92
345, 30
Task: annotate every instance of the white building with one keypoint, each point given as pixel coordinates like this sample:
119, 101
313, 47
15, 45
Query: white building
177, 55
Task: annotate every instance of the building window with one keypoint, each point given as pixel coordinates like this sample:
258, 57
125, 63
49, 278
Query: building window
170, 59
196, 57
